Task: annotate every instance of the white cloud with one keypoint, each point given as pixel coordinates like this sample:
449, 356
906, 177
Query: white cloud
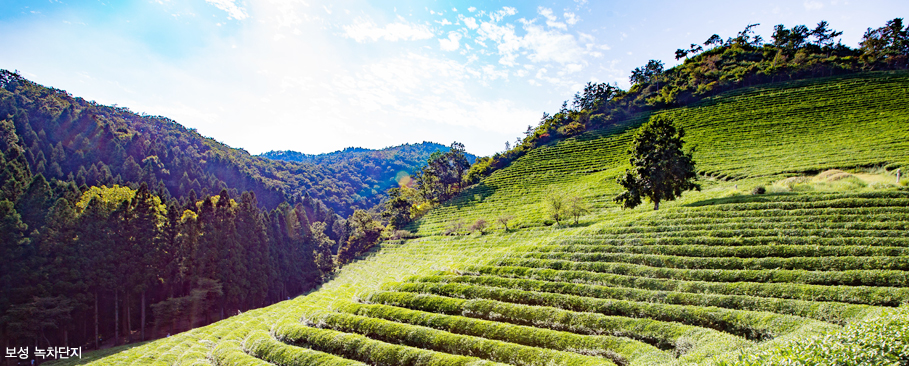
451, 43
233, 11
490, 73
429, 89
508, 43
571, 69
541, 74
551, 18
813, 5
547, 45
362, 31
471, 9
501, 14
571, 18
443, 22
468, 21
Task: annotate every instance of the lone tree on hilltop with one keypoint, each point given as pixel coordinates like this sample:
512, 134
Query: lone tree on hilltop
660, 169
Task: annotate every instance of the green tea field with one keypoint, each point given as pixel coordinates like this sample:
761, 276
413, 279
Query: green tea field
815, 269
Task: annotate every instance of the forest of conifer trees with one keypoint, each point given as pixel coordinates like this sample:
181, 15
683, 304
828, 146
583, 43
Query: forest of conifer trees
86, 265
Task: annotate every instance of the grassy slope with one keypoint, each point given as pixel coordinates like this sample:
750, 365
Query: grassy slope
662, 310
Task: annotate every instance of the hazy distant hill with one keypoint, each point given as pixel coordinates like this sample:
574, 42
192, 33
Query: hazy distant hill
374, 170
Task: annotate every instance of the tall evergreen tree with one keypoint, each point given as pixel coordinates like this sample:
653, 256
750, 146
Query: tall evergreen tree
660, 170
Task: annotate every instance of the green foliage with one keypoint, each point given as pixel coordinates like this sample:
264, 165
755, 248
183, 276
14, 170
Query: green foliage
664, 335
661, 171
399, 208
751, 325
442, 341
368, 173
879, 296
889, 43
620, 350
322, 246
262, 345
443, 175
881, 340
364, 349
364, 233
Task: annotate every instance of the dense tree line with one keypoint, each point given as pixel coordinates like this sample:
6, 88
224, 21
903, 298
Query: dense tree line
86, 264
713, 66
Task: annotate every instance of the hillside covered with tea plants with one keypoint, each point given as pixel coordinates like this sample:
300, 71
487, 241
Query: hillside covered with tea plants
795, 249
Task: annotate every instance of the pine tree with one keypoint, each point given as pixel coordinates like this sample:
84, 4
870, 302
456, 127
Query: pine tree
251, 230
660, 171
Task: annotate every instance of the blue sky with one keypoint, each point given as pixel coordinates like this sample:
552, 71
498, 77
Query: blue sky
319, 76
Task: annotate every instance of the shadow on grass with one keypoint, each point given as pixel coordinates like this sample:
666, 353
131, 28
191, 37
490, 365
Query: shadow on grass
92, 356
470, 197
768, 197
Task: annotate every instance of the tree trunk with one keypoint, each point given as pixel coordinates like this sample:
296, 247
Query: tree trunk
656, 205
129, 320
97, 344
142, 334
116, 318
7, 361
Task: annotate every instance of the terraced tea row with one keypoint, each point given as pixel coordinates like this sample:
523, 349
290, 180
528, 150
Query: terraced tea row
638, 295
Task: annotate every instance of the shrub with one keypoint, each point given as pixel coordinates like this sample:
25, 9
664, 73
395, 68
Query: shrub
454, 228
479, 225
571, 129
881, 340
504, 219
759, 190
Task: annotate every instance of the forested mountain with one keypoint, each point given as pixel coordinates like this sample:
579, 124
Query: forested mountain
68, 138
375, 171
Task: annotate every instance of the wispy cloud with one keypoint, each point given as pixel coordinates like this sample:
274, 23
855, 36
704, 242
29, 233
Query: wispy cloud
233, 11
363, 31
551, 19
502, 13
813, 5
432, 89
547, 45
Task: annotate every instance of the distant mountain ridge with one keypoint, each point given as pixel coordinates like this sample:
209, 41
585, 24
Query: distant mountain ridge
351, 152
372, 171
